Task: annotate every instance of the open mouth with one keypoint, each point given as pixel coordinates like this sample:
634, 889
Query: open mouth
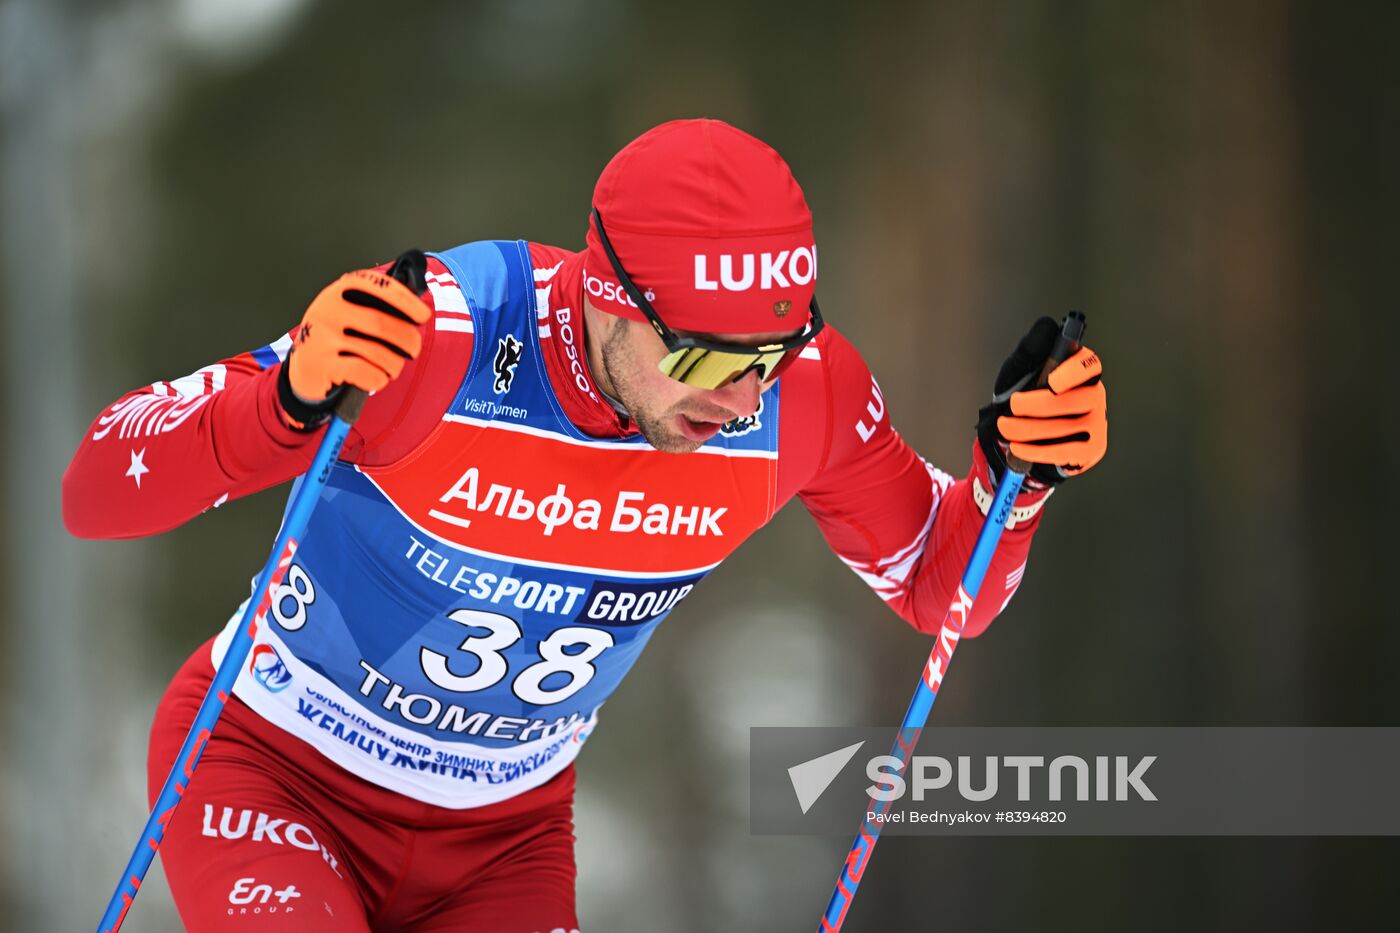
698, 431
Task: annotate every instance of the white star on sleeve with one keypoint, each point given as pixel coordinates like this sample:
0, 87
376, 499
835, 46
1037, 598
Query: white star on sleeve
137, 467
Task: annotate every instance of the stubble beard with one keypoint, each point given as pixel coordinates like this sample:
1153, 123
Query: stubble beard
620, 364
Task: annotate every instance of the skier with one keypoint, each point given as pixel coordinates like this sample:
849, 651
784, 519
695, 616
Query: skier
559, 446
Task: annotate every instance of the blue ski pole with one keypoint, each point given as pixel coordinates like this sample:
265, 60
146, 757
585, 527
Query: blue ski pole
411, 269
916, 717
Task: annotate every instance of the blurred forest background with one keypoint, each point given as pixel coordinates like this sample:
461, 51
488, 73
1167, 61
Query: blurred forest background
1214, 183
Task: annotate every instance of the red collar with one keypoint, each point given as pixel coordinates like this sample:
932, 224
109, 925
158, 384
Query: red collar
559, 296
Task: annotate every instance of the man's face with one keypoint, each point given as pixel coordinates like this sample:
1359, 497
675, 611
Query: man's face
673, 417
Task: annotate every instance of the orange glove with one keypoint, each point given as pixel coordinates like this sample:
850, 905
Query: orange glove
1062, 430
359, 331
1065, 425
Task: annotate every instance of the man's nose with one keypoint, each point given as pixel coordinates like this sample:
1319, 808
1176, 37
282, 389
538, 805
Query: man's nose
740, 397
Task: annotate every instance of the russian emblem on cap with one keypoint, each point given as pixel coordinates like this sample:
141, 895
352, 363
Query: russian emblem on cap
781, 308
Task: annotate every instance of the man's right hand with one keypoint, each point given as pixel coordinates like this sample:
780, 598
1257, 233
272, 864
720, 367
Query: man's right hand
359, 331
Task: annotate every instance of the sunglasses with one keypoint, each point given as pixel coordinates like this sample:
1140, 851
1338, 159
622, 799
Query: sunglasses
709, 364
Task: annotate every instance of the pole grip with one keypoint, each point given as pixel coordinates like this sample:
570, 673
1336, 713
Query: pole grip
1066, 344
411, 268
352, 401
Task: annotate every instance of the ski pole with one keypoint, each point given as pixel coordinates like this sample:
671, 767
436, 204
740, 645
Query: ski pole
410, 269
916, 717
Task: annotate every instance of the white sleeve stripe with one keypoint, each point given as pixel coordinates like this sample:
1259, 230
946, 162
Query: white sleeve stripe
889, 575
202, 381
448, 298
148, 415
542, 302
133, 427
544, 275
281, 346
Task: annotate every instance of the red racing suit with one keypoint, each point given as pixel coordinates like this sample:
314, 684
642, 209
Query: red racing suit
166, 452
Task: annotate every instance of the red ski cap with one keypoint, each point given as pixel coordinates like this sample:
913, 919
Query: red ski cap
710, 225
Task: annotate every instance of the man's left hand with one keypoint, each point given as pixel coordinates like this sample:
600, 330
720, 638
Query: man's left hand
1061, 430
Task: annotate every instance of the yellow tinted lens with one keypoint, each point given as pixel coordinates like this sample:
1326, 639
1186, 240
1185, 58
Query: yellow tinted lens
767, 363
704, 369
710, 369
